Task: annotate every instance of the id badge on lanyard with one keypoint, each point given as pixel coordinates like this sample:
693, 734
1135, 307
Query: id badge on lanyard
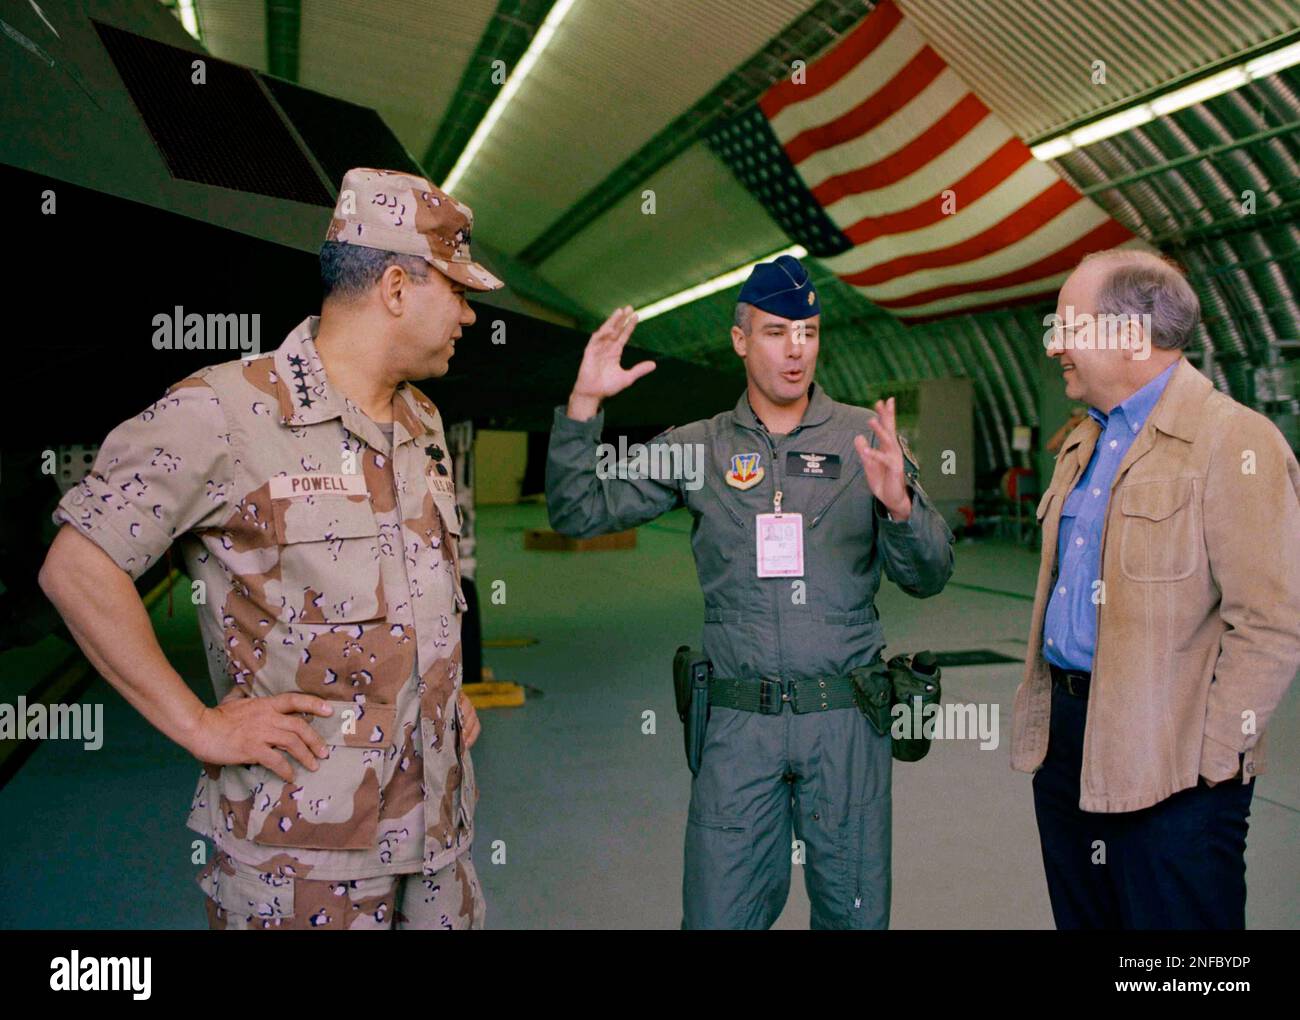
780, 542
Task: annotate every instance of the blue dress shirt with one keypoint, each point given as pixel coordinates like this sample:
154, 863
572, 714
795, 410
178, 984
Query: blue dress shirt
1070, 624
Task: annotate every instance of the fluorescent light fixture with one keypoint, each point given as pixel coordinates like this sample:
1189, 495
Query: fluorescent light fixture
728, 279
1161, 106
1115, 124
1200, 91
189, 17
540, 41
1271, 63
1052, 148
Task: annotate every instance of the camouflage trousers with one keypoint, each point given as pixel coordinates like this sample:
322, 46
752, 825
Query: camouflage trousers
239, 896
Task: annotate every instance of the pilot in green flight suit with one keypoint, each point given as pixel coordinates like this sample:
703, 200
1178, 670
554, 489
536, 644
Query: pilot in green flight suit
798, 514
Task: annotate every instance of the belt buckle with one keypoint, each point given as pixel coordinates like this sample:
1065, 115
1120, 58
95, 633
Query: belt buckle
771, 696
814, 698
1067, 680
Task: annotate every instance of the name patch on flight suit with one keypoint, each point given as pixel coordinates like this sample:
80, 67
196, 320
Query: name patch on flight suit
288, 486
812, 465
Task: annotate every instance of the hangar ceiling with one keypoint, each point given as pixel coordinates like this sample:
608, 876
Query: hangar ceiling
621, 99
1023, 56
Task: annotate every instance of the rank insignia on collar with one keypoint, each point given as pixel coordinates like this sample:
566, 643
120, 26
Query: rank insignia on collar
745, 472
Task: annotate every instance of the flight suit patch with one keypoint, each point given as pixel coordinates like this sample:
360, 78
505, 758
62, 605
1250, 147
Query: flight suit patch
745, 471
812, 465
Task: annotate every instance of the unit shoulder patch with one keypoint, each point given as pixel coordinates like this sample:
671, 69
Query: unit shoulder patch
745, 472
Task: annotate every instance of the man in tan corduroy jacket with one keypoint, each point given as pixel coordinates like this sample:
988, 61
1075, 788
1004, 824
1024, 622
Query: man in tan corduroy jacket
1166, 621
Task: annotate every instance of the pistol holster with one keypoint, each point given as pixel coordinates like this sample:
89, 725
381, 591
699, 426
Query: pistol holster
691, 675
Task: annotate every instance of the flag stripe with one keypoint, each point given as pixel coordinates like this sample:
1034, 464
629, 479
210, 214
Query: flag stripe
1076, 221
908, 83
934, 177
1012, 298
920, 151
928, 227
856, 47
904, 182
980, 301
879, 67
1105, 235
1015, 227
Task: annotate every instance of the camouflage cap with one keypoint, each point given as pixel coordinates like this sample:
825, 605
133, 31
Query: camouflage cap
400, 212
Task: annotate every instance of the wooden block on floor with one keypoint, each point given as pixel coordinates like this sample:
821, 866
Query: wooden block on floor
490, 687
499, 694
544, 540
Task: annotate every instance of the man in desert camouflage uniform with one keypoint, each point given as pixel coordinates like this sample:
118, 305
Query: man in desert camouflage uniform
324, 540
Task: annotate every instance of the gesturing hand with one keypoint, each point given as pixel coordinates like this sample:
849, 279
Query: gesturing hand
253, 731
601, 375
883, 466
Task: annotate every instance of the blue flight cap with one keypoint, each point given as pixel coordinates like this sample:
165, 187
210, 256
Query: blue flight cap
782, 287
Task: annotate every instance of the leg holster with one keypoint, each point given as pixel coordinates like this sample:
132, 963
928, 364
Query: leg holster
691, 675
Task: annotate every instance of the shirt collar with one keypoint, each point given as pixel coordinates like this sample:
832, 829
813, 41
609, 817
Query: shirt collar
1134, 411
818, 410
307, 398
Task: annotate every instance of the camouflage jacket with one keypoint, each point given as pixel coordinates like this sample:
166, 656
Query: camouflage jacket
321, 564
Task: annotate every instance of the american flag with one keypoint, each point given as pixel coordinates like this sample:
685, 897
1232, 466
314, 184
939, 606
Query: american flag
888, 168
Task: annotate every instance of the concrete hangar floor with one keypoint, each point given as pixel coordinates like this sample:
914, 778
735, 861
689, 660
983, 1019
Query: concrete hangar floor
589, 810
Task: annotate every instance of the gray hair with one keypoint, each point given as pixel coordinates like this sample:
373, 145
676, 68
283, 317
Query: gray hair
744, 316
349, 270
1141, 283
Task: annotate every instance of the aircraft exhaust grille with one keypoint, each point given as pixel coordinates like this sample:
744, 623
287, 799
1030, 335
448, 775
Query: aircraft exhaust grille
225, 132
340, 134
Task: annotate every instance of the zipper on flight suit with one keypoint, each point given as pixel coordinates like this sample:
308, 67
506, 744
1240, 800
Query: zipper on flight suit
857, 852
830, 503
776, 503
777, 495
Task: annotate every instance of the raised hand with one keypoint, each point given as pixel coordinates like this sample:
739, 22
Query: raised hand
601, 374
883, 466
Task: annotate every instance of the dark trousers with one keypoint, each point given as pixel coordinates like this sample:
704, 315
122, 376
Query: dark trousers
1177, 864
